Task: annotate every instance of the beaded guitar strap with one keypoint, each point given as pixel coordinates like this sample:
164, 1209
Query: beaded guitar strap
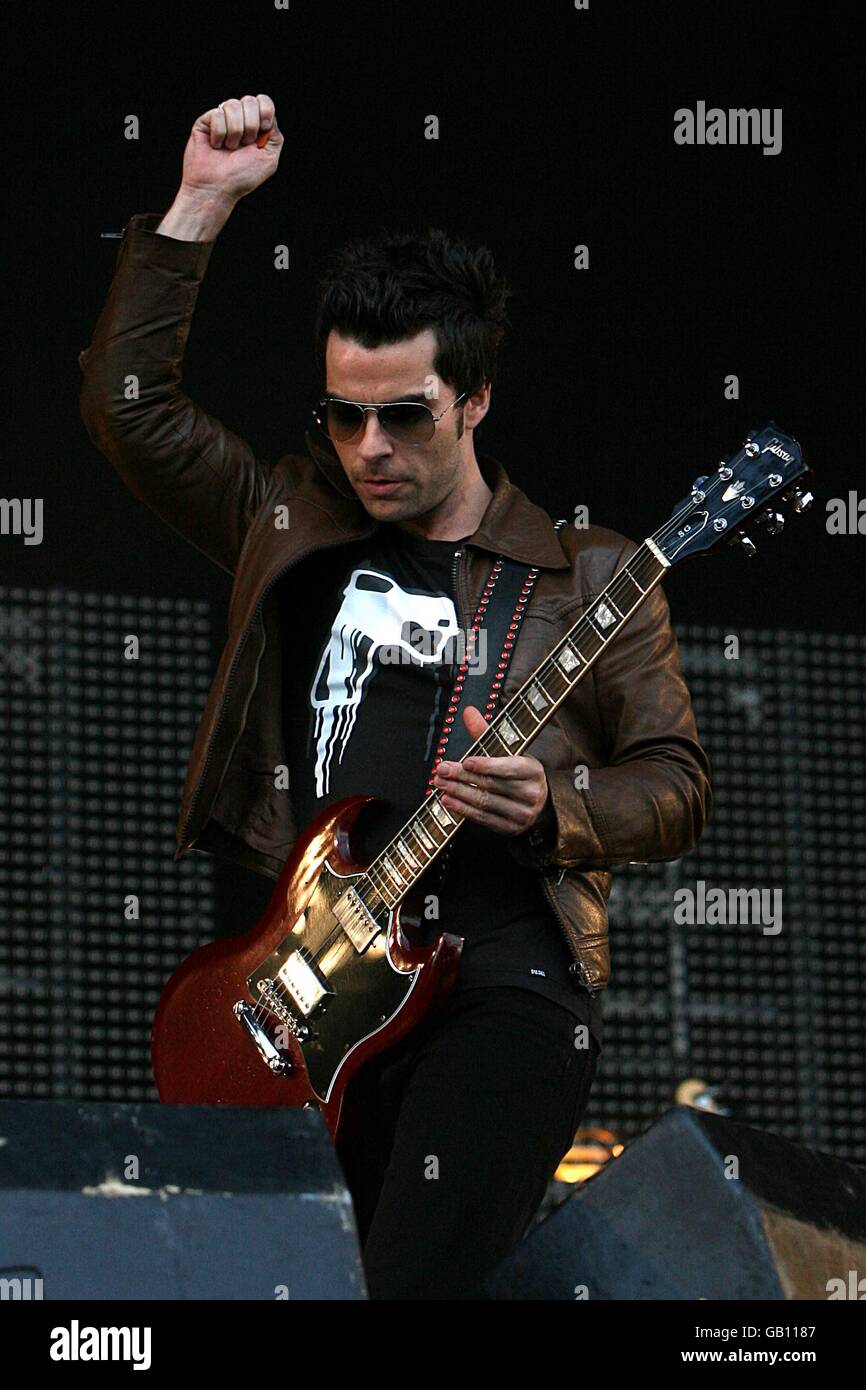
500, 611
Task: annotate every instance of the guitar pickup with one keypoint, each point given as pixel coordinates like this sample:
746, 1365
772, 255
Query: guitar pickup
357, 921
304, 982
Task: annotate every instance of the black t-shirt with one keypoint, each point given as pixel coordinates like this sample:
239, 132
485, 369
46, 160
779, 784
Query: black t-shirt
369, 641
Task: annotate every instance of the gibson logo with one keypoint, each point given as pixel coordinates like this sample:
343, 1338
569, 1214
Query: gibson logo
776, 448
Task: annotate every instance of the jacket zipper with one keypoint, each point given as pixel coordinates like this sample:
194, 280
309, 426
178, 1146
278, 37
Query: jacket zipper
323, 545
547, 889
454, 563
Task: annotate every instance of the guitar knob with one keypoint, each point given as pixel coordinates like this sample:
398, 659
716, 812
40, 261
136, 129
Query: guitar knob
774, 521
747, 546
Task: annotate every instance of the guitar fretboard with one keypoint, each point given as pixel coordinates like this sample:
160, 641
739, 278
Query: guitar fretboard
402, 862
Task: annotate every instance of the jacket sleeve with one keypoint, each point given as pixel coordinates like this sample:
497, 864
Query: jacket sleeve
194, 473
652, 798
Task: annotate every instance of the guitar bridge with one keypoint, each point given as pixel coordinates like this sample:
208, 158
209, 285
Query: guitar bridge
276, 1004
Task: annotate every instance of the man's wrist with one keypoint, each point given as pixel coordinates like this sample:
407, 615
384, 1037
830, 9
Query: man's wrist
197, 215
542, 832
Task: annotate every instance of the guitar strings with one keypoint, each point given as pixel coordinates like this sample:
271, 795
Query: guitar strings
372, 875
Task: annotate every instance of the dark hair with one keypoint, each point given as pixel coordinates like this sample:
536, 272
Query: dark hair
388, 287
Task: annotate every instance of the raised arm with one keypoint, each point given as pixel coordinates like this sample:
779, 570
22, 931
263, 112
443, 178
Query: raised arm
198, 476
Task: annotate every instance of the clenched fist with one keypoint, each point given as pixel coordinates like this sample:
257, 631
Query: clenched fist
232, 148
222, 156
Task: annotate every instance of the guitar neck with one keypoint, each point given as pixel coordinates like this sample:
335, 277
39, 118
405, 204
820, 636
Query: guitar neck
402, 862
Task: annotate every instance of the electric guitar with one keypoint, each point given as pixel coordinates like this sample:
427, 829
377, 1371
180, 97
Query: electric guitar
336, 969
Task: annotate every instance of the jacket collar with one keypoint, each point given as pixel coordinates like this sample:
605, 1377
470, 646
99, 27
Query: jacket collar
512, 525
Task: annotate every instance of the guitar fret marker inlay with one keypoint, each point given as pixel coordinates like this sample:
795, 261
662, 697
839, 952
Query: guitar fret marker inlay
423, 836
397, 877
407, 853
604, 616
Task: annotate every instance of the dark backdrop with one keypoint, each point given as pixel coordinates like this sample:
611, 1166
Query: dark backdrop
556, 128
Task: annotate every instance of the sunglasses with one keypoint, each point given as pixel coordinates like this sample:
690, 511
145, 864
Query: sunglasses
409, 422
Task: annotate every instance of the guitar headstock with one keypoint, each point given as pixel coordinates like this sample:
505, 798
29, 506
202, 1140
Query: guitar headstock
746, 490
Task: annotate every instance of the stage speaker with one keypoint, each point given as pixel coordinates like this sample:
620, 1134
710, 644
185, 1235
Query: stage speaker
102, 1201
699, 1207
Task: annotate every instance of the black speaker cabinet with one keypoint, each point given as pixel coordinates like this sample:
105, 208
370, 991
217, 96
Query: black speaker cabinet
102, 1201
699, 1207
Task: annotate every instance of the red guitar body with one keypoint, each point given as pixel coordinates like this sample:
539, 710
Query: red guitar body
287, 1013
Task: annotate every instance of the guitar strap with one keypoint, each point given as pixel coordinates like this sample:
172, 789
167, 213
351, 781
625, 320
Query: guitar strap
499, 616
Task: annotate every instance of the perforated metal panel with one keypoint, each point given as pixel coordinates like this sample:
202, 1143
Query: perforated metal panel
93, 754
775, 1019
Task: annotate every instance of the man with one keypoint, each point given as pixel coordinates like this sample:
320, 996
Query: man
465, 1120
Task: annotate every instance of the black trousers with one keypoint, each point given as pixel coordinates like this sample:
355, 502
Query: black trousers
462, 1125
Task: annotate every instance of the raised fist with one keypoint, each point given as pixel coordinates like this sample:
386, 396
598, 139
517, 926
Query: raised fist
223, 154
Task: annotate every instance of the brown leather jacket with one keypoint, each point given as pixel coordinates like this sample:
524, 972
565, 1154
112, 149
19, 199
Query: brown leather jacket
630, 721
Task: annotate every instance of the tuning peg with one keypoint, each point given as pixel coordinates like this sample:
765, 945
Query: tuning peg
801, 501
747, 545
774, 521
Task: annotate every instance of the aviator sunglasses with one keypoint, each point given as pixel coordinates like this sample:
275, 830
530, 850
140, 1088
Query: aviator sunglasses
409, 422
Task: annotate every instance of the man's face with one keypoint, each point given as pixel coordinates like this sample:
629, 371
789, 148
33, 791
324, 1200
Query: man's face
425, 474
